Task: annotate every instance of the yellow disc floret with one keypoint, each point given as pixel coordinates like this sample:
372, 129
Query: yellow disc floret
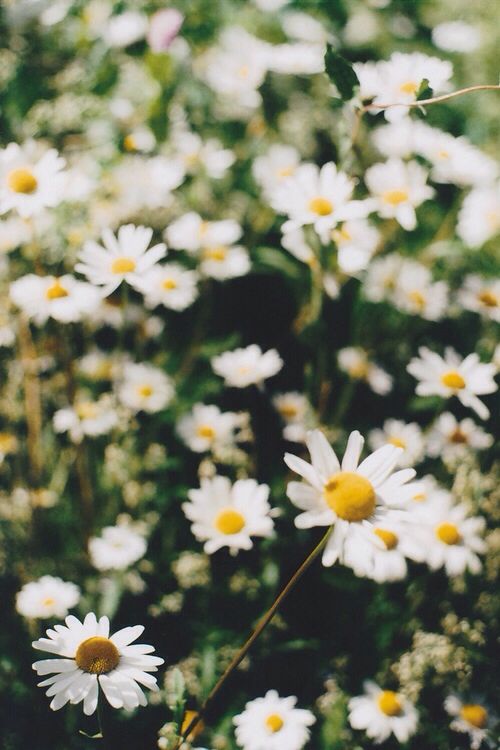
97, 655
205, 431
350, 496
474, 714
389, 538
169, 284
274, 723
453, 379
145, 390
409, 87
56, 290
395, 197
123, 265
320, 206
389, 703
229, 521
22, 180
448, 533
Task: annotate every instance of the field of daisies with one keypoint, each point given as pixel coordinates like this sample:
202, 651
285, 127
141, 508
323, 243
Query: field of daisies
249, 359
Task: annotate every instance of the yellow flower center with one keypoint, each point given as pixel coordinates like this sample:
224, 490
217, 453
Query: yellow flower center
169, 284
205, 431
397, 442
388, 537
229, 521
410, 87
216, 253
56, 290
359, 370
320, 206
474, 714
130, 143
388, 703
488, 298
417, 298
493, 219
453, 379
8, 442
395, 197
458, 437
86, 410
419, 497
448, 533
244, 71
145, 390
350, 496
274, 723
97, 655
288, 411
443, 154
48, 601
341, 235
285, 172
22, 180
123, 265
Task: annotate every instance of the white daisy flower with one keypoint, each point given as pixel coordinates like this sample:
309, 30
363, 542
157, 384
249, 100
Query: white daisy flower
273, 723
278, 163
381, 278
47, 597
479, 217
125, 28
86, 417
144, 388
226, 515
451, 439
63, 298
354, 497
482, 296
88, 658
198, 154
122, 258
297, 245
137, 183
356, 242
207, 428
317, 196
296, 411
407, 436
170, 285
354, 361
297, 58
417, 294
425, 492
398, 188
456, 36
117, 548
14, 232
473, 719
247, 366
382, 713
452, 376
30, 182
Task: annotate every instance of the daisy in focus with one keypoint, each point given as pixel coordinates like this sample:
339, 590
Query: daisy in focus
452, 376
117, 548
247, 366
207, 428
86, 417
273, 723
86, 658
407, 436
63, 298
30, 182
354, 497
228, 515
47, 597
452, 439
382, 713
354, 362
469, 718
144, 388
122, 258
398, 188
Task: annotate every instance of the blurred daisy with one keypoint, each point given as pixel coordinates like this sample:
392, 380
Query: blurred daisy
417, 294
381, 278
30, 182
117, 548
407, 436
125, 28
295, 410
356, 242
451, 439
273, 723
381, 552
145, 388
354, 361
86, 417
170, 285
482, 296
451, 376
456, 36
297, 58
207, 428
88, 658
382, 713
47, 597
355, 498
202, 155
297, 245
226, 515
136, 182
60, 297
469, 718
122, 258
164, 25
247, 366
479, 217
398, 188
278, 163
425, 491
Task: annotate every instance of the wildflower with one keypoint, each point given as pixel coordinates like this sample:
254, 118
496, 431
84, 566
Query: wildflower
47, 597
415, 292
170, 285
117, 548
86, 417
207, 428
451, 439
407, 436
247, 366
63, 298
273, 723
398, 188
145, 388
479, 217
273, 167
382, 713
164, 26
198, 154
473, 719
354, 361
482, 296
29, 183
456, 36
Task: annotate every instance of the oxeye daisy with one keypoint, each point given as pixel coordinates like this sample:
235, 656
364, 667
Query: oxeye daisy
117, 548
207, 428
88, 658
470, 718
247, 366
62, 298
481, 296
479, 217
407, 436
273, 723
398, 188
226, 515
354, 361
122, 258
30, 182
352, 496
452, 439
170, 285
86, 417
382, 713
47, 597
452, 376
144, 388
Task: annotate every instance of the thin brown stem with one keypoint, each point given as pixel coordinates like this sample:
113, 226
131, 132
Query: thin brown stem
32, 401
263, 622
434, 99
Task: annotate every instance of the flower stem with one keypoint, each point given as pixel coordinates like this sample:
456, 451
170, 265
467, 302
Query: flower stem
434, 99
263, 622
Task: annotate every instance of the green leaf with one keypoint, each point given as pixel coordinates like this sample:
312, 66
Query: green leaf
424, 90
341, 73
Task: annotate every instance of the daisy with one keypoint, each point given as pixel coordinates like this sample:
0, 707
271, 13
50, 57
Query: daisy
479, 217
170, 285
451, 439
278, 163
297, 58
226, 515
425, 492
469, 718
121, 258
295, 410
297, 245
117, 548
137, 183
47, 597
273, 723
125, 28
14, 232
456, 36
356, 241
354, 361
482, 296
407, 436
317, 196
86, 417
451, 376
353, 497
88, 658
398, 188
381, 278
145, 388
197, 154
60, 297
417, 294
382, 713
30, 182
247, 366
207, 428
